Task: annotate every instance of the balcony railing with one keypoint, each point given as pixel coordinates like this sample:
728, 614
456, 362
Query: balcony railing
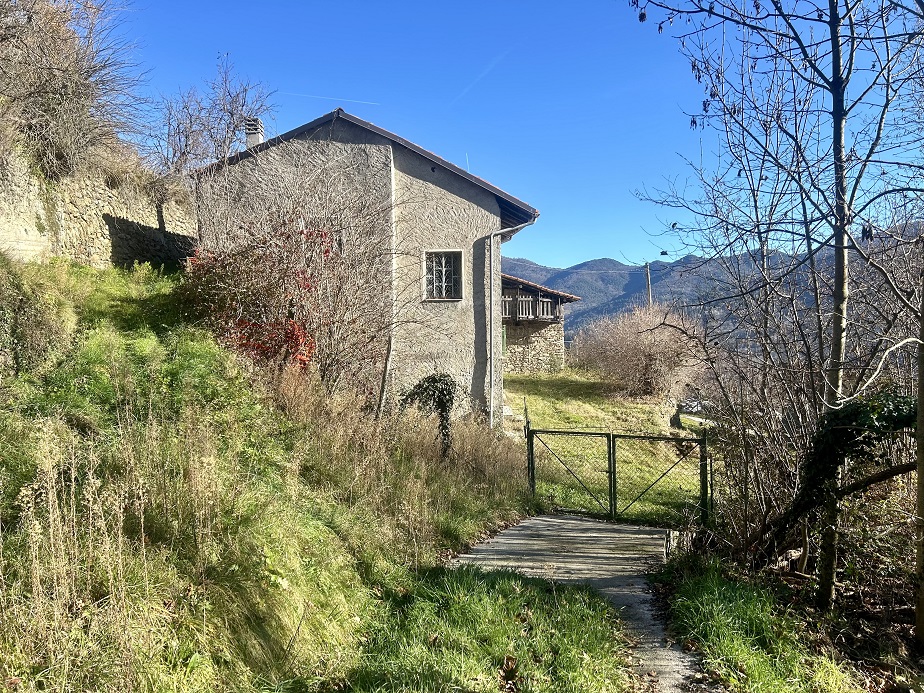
529, 308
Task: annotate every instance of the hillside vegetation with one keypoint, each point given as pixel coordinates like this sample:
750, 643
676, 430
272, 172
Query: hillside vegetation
174, 518
753, 631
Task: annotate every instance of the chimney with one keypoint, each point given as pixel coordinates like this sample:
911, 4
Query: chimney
253, 128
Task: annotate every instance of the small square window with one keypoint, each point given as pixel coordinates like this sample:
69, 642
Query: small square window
444, 274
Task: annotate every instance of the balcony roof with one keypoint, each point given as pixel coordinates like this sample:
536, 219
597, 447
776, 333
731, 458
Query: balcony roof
509, 281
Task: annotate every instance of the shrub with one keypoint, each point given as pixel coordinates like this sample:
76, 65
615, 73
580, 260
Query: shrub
435, 394
65, 80
294, 262
637, 351
35, 322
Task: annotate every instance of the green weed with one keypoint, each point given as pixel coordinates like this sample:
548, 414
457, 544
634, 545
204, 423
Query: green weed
467, 630
745, 637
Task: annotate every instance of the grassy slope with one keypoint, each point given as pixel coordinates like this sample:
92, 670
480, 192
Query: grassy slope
166, 526
746, 636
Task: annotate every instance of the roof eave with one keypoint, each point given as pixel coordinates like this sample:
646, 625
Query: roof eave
568, 298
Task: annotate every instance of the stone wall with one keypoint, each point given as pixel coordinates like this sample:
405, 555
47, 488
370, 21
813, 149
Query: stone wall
84, 219
534, 347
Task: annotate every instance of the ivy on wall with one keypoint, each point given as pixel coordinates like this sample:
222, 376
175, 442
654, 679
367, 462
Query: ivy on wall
435, 394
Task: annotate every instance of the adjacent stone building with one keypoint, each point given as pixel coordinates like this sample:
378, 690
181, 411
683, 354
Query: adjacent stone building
445, 228
534, 326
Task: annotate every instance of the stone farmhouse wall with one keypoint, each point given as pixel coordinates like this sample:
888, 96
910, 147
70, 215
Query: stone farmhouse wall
84, 219
431, 209
534, 348
436, 210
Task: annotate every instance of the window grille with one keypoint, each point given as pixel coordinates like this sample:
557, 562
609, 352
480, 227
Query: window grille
444, 274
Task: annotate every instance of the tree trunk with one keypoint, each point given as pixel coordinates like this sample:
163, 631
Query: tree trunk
386, 371
835, 372
919, 510
827, 558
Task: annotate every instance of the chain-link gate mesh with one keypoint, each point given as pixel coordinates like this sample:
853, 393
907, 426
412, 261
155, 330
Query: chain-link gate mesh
571, 472
658, 481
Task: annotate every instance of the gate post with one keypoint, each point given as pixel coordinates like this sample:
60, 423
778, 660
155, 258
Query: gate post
611, 470
530, 459
703, 483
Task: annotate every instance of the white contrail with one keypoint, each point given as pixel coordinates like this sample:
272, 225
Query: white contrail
484, 73
329, 98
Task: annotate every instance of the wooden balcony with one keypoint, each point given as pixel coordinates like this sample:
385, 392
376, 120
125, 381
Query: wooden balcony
531, 308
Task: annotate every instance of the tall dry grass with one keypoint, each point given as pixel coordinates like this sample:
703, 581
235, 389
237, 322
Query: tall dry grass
151, 560
173, 519
200, 549
394, 469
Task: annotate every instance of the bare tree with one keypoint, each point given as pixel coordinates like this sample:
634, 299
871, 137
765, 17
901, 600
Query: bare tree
67, 83
637, 352
296, 260
809, 102
198, 128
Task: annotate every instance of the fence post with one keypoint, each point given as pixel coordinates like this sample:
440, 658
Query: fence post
530, 460
611, 469
703, 483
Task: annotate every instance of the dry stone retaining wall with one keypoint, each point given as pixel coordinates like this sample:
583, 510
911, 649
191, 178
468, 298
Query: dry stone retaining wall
86, 220
535, 348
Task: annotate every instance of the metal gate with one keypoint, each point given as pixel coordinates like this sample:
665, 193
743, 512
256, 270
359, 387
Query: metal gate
648, 479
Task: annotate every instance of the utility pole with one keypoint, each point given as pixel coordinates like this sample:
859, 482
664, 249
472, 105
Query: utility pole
648, 282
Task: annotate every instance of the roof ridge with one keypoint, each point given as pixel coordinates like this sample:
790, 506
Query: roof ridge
526, 212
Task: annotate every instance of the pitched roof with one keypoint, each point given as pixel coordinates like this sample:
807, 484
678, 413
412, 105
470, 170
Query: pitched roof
513, 211
566, 298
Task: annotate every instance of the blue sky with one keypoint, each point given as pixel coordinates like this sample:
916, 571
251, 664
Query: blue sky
570, 106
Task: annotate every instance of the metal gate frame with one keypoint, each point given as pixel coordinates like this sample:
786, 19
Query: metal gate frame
611, 438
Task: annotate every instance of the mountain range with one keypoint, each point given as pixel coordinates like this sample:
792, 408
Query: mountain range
609, 287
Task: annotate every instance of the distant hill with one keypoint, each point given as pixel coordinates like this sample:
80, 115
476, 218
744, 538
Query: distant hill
609, 287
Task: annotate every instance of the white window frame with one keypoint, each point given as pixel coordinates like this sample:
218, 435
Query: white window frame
461, 274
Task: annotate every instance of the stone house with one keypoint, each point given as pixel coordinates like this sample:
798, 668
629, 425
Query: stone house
534, 326
445, 227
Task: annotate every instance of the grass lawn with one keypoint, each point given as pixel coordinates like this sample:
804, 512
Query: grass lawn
747, 635
571, 471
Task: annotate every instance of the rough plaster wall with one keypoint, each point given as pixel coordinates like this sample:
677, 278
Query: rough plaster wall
335, 159
83, 219
437, 210
535, 348
335, 179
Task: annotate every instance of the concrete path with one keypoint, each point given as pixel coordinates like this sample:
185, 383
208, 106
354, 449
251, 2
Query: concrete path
613, 559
